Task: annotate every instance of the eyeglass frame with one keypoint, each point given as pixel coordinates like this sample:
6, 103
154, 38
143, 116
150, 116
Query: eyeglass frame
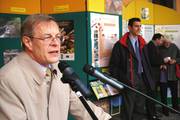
49, 38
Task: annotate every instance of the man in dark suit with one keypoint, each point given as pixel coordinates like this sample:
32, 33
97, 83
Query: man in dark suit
154, 55
155, 61
129, 64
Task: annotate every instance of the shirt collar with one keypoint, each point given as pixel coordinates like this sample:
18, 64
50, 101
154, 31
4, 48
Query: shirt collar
133, 39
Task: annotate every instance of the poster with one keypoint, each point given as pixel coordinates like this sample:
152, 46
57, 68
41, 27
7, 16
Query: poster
104, 33
124, 26
67, 40
114, 6
10, 27
147, 32
9, 54
172, 31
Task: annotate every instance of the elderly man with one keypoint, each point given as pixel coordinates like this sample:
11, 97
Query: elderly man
27, 91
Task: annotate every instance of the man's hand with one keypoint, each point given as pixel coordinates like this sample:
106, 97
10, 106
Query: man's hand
172, 61
163, 67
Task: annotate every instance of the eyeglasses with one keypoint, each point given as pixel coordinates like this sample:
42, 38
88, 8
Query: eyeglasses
48, 37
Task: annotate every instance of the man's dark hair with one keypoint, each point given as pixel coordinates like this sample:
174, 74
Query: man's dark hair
157, 36
132, 20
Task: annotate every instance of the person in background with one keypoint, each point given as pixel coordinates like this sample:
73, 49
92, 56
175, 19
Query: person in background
156, 60
129, 63
27, 91
171, 56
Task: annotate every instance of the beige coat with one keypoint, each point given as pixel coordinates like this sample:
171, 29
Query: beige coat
23, 94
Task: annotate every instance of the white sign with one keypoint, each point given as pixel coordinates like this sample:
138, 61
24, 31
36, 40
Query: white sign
172, 31
104, 33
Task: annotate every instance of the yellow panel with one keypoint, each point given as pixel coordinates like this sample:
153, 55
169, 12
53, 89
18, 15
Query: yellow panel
20, 6
157, 13
164, 15
96, 5
126, 2
128, 11
62, 6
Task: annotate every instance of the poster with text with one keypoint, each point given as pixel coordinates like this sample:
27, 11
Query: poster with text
9, 54
171, 31
124, 26
104, 33
67, 40
10, 27
147, 32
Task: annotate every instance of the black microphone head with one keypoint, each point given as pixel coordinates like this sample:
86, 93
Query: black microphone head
62, 66
88, 69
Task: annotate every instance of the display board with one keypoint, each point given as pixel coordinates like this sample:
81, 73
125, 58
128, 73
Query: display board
10, 43
170, 31
104, 33
147, 32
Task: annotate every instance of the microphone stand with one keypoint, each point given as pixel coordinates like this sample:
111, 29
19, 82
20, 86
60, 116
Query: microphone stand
82, 99
117, 84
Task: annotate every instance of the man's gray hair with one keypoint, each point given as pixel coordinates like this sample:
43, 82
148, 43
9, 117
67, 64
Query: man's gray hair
27, 28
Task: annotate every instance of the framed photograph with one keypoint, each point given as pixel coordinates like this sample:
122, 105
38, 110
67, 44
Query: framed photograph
10, 27
9, 54
67, 40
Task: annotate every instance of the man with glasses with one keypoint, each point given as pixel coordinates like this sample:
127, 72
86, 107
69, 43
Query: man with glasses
30, 86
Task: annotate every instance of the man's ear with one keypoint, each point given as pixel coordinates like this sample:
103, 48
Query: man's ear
129, 27
27, 43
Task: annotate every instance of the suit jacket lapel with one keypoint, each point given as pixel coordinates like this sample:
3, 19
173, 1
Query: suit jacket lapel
130, 48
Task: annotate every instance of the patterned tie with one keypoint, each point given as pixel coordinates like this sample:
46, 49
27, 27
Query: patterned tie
48, 72
48, 75
138, 57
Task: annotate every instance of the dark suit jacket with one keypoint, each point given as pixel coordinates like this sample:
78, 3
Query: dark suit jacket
123, 62
155, 60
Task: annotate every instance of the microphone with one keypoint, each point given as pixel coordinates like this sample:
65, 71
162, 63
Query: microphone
105, 78
113, 82
69, 76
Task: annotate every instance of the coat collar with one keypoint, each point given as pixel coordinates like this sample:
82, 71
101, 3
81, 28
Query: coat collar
125, 37
31, 67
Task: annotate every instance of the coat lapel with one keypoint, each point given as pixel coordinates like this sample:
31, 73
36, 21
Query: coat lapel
130, 48
31, 67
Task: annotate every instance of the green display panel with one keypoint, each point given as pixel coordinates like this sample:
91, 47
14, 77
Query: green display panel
9, 34
80, 40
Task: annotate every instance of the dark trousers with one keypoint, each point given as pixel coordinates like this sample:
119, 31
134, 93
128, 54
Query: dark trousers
173, 85
150, 105
133, 107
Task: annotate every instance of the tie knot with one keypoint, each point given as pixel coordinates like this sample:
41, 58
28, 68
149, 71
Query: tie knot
136, 43
48, 72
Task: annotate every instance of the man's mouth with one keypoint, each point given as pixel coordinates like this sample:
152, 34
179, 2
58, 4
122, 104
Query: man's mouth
54, 51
